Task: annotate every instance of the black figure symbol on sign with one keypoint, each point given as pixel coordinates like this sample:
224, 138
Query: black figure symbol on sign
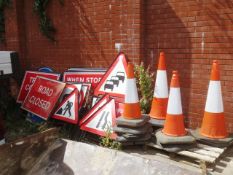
68, 107
104, 118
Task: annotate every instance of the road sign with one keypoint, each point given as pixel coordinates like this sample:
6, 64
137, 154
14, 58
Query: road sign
83, 77
98, 105
43, 97
29, 79
67, 91
95, 99
102, 121
84, 89
82, 69
119, 109
68, 109
114, 80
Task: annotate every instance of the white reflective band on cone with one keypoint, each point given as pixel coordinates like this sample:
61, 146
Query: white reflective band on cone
214, 101
161, 88
174, 102
2, 142
131, 94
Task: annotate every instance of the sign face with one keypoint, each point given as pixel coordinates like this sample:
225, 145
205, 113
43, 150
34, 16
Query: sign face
96, 107
102, 121
114, 80
43, 97
94, 100
66, 92
83, 91
83, 77
68, 109
119, 109
29, 79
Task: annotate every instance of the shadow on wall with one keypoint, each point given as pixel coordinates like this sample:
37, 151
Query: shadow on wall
192, 34
166, 32
78, 39
89, 39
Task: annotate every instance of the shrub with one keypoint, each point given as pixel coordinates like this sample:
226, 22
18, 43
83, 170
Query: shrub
145, 82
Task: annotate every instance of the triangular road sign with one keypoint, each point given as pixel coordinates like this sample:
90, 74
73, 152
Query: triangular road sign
68, 109
69, 88
84, 89
114, 80
96, 107
102, 121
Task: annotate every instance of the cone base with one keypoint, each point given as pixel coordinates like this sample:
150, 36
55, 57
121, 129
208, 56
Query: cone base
132, 123
159, 108
174, 125
213, 126
132, 111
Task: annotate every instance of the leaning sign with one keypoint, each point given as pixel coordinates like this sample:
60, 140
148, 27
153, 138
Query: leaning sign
43, 97
29, 79
83, 77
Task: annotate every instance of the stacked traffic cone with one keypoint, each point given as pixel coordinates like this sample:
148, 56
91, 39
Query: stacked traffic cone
160, 97
174, 132
213, 129
132, 127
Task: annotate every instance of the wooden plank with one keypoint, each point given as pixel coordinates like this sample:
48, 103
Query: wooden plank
211, 148
20, 156
197, 156
189, 154
205, 152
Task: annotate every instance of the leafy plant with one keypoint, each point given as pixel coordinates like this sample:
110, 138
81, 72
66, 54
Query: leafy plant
45, 23
3, 5
145, 82
108, 142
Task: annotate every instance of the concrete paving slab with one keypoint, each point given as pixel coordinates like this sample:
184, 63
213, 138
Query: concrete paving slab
70, 158
156, 122
166, 140
213, 142
139, 130
143, 137
121, 121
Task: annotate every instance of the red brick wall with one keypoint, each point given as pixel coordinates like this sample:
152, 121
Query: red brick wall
86, 33
193, 33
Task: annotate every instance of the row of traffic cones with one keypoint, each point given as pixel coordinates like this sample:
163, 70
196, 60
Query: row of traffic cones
133, 126
169, 108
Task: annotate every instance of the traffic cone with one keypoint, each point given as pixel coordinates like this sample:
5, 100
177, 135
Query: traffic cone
213, 124
160, 97
132, 108
174, 123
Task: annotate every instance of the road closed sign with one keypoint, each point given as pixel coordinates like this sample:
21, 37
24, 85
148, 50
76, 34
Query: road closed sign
43, 97
29, 79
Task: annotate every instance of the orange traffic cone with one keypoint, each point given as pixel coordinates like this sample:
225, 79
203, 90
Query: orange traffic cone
213, 124
160, 99
174, 123
132, 108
